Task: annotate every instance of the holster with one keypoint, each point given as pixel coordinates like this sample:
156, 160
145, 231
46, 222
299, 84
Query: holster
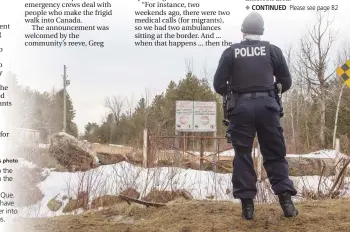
278, 93
225, 121
231, 102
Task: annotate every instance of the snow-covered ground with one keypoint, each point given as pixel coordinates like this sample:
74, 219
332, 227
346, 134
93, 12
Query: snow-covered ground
323, 154
112, 179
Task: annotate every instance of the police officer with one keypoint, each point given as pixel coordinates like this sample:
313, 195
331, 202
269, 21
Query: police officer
250, 67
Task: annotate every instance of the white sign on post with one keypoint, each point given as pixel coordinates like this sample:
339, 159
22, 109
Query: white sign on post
198, 116
184, 116
204, 118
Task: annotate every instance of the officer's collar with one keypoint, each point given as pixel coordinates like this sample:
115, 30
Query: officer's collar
251, 37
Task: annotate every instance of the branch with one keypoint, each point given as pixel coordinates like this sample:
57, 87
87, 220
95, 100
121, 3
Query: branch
147, 204
329, 76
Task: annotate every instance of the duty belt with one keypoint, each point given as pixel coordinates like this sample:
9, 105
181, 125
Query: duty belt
257, 94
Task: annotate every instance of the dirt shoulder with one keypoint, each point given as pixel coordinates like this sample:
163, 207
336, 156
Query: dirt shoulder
202, 216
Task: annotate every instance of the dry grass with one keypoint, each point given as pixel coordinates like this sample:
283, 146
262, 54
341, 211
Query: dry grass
130, 192
82, 201
166, 196
202, 216
105, 201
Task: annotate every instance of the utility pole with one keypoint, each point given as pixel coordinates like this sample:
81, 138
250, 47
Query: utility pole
65, 84
64, 99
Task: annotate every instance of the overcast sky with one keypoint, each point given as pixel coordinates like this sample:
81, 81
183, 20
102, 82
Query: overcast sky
120, 68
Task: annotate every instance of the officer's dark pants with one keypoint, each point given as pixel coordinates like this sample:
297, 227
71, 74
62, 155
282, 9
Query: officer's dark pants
229, 132
259, 115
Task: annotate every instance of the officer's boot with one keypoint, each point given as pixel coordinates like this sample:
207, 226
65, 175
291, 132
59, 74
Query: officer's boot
287, 205
247, 208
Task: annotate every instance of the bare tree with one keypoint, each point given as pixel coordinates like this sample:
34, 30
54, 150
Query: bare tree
204, 72
130, 103
115, 104
314, 58
189, 66
149, 96
336, 115
289, 96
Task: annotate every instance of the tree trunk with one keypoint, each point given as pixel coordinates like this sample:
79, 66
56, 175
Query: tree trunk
297, 132
307, 135
292, 121
323, 117
336, 115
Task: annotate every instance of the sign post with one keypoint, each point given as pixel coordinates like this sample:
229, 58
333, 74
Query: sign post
204, 120
204, 116
183, 121
342, 72
197, 116
184, 116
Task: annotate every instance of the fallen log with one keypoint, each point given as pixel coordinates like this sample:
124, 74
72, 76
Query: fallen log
146, 203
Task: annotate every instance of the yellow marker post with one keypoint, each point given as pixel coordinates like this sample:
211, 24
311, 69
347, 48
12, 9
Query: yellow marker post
344, 72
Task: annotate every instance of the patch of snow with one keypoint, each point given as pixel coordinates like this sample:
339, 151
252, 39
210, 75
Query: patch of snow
230, 152
63, 134
323, 154
112, 179
116, 145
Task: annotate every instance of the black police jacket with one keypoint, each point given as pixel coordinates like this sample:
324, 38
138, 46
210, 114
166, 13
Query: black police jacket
249, 66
